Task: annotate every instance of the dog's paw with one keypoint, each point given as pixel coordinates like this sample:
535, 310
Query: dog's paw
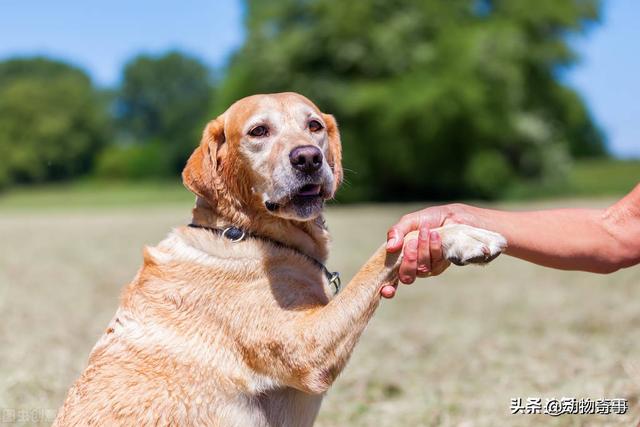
462, 244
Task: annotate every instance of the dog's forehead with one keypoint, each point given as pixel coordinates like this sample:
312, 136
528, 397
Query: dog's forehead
287, 105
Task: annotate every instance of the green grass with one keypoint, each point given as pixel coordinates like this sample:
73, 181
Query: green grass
604, 177
588, 178
447, 351
95, 194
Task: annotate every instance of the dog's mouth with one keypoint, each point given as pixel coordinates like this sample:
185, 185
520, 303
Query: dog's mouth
304, 198
308, 191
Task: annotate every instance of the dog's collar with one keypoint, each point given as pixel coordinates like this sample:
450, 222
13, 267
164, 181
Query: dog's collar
236, 235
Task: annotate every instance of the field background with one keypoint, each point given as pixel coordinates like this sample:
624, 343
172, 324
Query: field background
447, 351
530, 103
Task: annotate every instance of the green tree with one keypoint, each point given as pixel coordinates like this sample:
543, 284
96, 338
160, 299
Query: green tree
434, 98
165, 100
52, 121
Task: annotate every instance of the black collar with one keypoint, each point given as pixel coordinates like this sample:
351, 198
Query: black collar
236, 234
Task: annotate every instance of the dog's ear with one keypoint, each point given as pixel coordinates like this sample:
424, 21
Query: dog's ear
334, 156
201, 174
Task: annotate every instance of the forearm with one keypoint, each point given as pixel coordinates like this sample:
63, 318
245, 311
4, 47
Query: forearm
569, 239
596, 240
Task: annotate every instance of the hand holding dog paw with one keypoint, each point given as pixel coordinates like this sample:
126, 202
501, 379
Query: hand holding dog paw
428, 252
422, 256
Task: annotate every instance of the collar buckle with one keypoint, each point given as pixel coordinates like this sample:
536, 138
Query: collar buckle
335, 281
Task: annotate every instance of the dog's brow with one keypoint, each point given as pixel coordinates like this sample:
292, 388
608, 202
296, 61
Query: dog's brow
307, 112
311, 114
258, 119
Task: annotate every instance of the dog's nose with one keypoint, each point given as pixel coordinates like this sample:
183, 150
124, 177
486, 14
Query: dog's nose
306, 158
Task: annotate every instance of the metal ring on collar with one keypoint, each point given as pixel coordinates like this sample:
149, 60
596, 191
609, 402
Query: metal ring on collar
234, 234
335, 281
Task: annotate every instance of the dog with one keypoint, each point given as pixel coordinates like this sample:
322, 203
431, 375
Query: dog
235, 320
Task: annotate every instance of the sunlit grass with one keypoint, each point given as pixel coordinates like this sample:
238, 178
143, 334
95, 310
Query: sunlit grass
604, 177
587, 178
448, 351
95, 194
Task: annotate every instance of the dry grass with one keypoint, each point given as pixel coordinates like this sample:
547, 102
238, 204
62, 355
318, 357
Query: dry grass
450, 351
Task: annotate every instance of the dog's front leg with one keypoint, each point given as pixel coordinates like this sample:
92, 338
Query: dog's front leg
332, 331
335, 329
310, 347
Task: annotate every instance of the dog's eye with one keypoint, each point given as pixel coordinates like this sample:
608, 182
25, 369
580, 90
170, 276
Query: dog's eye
259, 131
315, 126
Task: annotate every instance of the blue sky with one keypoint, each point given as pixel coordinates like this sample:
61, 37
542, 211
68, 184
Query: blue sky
101, 36
609, 75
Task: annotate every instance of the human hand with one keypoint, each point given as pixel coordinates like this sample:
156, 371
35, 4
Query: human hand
422, 256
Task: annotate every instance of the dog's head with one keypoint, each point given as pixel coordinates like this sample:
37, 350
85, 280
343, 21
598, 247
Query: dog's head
276, 153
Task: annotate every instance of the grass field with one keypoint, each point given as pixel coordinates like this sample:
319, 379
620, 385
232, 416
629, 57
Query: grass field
587, 178
448, 351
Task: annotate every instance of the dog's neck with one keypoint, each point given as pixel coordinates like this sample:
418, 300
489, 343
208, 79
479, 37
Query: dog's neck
309, 237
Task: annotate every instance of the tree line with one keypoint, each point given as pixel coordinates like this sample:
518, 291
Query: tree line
434, 99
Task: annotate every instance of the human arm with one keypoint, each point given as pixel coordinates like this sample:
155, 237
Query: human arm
595, 240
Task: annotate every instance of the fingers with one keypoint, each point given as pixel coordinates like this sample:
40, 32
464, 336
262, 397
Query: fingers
409, 265
395, 235
432, 217
424, 257
388, 291
435, 246
438, 262
416, 256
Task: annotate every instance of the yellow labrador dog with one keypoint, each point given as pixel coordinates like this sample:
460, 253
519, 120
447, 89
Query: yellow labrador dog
235, 320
